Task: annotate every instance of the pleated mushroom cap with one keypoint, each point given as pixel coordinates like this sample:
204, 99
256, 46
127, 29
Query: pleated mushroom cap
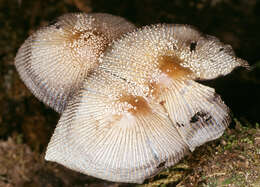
110, 130
54, 60
141, 110
164, 61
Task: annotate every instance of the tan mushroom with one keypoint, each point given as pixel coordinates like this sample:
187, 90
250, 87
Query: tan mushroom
54, 60
141, 110
165, 61
111, 131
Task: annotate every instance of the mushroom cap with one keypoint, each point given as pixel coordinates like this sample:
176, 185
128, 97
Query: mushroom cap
141, 110
111, 131
164, 61
55, 59
141, 50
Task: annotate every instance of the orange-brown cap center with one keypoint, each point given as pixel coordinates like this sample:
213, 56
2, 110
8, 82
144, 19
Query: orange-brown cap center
170, 65
139, 105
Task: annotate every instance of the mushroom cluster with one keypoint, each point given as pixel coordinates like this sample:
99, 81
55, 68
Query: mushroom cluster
129, 101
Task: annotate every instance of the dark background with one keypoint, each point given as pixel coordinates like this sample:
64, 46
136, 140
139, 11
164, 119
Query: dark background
236, 22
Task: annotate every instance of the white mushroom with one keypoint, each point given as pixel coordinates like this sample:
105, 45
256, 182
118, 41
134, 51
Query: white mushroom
141, 110
164, 61
54, 60
111, 131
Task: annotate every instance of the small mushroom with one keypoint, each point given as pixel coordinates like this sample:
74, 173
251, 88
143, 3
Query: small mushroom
165, 60
142, 110
110, 130
54, 60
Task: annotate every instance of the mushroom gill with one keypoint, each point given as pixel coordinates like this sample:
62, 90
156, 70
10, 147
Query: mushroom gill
110, 130
54, 60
